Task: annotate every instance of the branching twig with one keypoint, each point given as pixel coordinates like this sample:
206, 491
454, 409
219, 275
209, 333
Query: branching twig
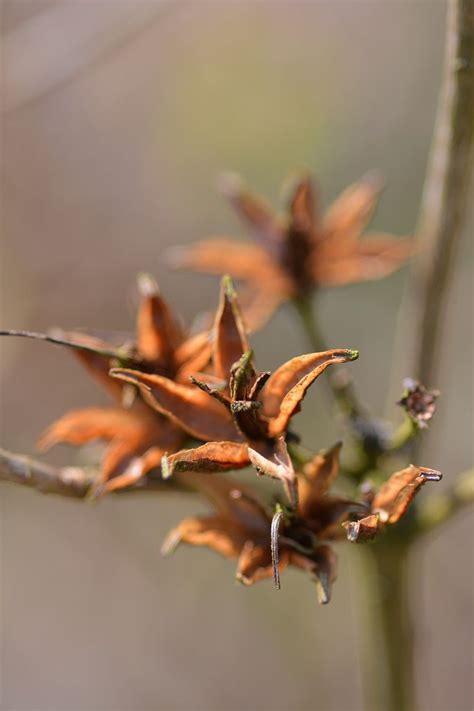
66, 481
441, 219
442, 211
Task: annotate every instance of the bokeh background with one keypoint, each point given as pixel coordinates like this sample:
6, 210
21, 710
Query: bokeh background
117, 118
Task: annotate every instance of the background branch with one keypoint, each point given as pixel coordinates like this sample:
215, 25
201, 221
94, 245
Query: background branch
443, 205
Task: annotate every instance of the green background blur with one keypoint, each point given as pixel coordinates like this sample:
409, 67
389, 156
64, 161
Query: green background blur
117, 119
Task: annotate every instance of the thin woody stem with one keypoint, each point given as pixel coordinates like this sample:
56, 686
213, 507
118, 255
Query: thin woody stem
388, 661
73, 482
443, 206
66, 481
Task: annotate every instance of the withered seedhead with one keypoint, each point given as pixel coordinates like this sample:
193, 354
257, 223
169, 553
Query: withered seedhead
307, 248
418, 402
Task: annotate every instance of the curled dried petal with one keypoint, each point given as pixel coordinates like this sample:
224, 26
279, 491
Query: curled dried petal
190, 408
215, 532
351, 212
158, 334
85, 425
266, 227
319, 474
362, 530
191, 348
277, 465
210, 457
263, 297
255, 562
302, 207
218, 256
322, 566
373, 257
287, 386
235, 502
192, 357
230, 337
129, 435
394, 497
132, 475
327, 515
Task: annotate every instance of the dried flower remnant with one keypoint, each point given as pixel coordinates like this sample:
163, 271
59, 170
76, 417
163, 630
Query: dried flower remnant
418, 402
390, 503
265, 546
302, 251
137, 436
234, 408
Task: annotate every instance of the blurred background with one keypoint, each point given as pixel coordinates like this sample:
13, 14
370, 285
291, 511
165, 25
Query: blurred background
117, 118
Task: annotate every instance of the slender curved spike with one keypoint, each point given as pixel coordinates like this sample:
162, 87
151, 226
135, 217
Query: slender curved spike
276, 521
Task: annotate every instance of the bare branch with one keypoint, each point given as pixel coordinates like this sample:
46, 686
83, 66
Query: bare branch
443, 207
71, 481
66, 481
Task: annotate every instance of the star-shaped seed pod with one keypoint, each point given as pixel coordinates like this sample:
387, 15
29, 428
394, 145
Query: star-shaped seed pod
390, 503
318, 514
418, 402
235, 408
243, 528
303, 250
137, 436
